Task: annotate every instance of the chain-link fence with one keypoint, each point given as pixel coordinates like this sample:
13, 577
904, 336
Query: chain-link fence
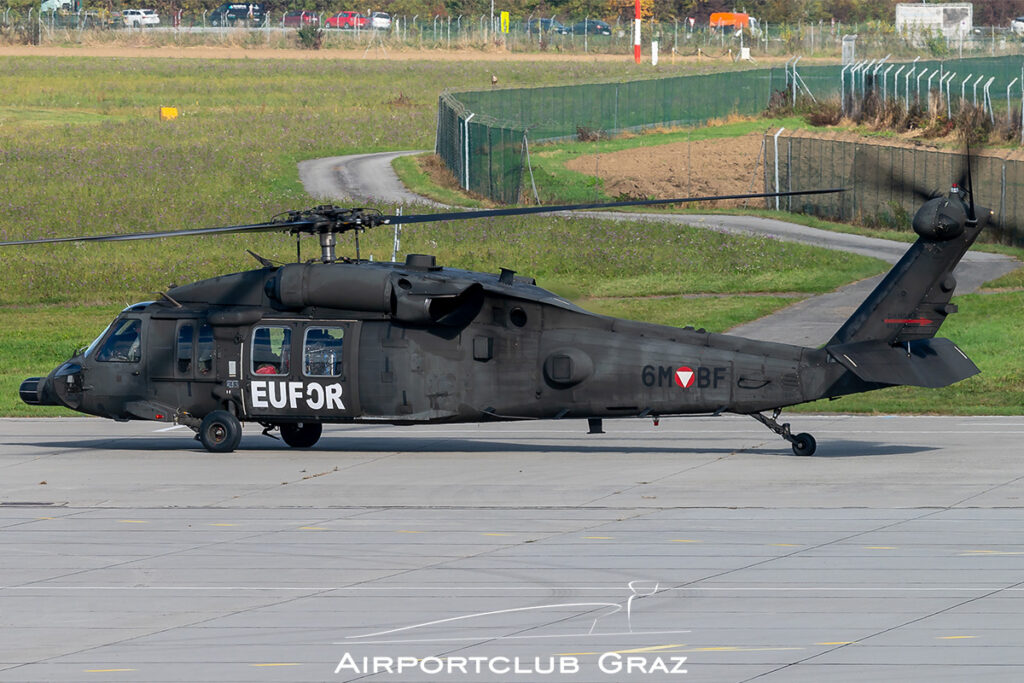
886, 184
483, 136
536, 32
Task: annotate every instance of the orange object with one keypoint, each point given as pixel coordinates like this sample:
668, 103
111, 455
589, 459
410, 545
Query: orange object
730, 20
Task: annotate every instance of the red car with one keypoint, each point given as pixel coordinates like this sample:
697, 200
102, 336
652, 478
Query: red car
300, 18
348, 20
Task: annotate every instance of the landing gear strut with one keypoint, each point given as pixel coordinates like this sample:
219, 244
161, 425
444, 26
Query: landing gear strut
803, 444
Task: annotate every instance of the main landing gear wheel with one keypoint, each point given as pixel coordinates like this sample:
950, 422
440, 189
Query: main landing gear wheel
803, 443
301, 434
220, 432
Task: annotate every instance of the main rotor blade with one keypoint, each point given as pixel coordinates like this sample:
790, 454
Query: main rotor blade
486, 213
121, 237
324, 219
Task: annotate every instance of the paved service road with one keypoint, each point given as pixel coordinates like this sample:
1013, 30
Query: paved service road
811, 322
127, 553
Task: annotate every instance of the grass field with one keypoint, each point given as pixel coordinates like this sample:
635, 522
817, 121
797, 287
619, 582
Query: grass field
82, 152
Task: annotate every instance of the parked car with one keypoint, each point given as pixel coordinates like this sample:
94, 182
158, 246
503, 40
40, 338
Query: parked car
594, 27
137, 18
238, 14
547, 26
298, 18
1017, 26
347, 20
380, 20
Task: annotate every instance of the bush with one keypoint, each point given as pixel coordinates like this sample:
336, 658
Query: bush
972, 124
310, 37
825, 113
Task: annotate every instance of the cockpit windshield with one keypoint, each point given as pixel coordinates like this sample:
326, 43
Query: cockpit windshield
124, 343
96, 342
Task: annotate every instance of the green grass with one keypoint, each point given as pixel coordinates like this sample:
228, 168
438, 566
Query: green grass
35, 340
987, 329
411, 174
96, 159
52, 117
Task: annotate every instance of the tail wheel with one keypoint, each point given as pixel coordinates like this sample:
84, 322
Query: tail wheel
804, 444
220, 432
301, 434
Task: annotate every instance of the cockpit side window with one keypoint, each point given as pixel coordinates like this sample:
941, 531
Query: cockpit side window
124, 343
204, 351
321, 352
183, 353
271, 350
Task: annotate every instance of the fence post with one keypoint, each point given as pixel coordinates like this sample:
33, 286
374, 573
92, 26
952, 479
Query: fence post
465, 138
777, 167
949, 98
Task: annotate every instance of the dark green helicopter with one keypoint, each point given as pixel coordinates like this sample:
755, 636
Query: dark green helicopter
295, 346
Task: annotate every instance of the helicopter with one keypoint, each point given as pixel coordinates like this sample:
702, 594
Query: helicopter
336, 340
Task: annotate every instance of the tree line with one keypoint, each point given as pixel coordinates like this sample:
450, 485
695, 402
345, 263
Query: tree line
987, 13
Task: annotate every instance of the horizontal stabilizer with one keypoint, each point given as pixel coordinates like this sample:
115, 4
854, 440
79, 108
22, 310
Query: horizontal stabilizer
918, 363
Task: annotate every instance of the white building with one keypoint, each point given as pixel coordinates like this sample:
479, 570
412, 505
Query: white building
951, 19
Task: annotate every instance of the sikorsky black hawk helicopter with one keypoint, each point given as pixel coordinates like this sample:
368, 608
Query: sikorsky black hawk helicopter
295, 346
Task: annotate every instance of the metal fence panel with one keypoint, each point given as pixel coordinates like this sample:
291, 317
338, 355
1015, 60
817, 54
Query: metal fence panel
884, 182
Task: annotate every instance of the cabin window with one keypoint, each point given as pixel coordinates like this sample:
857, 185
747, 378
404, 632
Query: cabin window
321, 351
271, 350
183, 350
124, 344
204, 351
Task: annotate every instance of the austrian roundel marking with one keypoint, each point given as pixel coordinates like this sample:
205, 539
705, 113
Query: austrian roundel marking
685, 376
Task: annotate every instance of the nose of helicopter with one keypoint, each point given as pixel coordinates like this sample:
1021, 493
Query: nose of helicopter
37, 391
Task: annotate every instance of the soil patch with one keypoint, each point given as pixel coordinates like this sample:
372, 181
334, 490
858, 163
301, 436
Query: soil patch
681, 169
721, 166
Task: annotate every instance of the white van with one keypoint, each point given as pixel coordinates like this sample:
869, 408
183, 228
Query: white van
137, 18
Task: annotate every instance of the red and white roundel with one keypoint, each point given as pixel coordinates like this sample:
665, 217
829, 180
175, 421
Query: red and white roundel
685, 376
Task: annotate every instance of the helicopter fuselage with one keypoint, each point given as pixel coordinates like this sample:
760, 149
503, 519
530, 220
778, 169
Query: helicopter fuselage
412, 343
